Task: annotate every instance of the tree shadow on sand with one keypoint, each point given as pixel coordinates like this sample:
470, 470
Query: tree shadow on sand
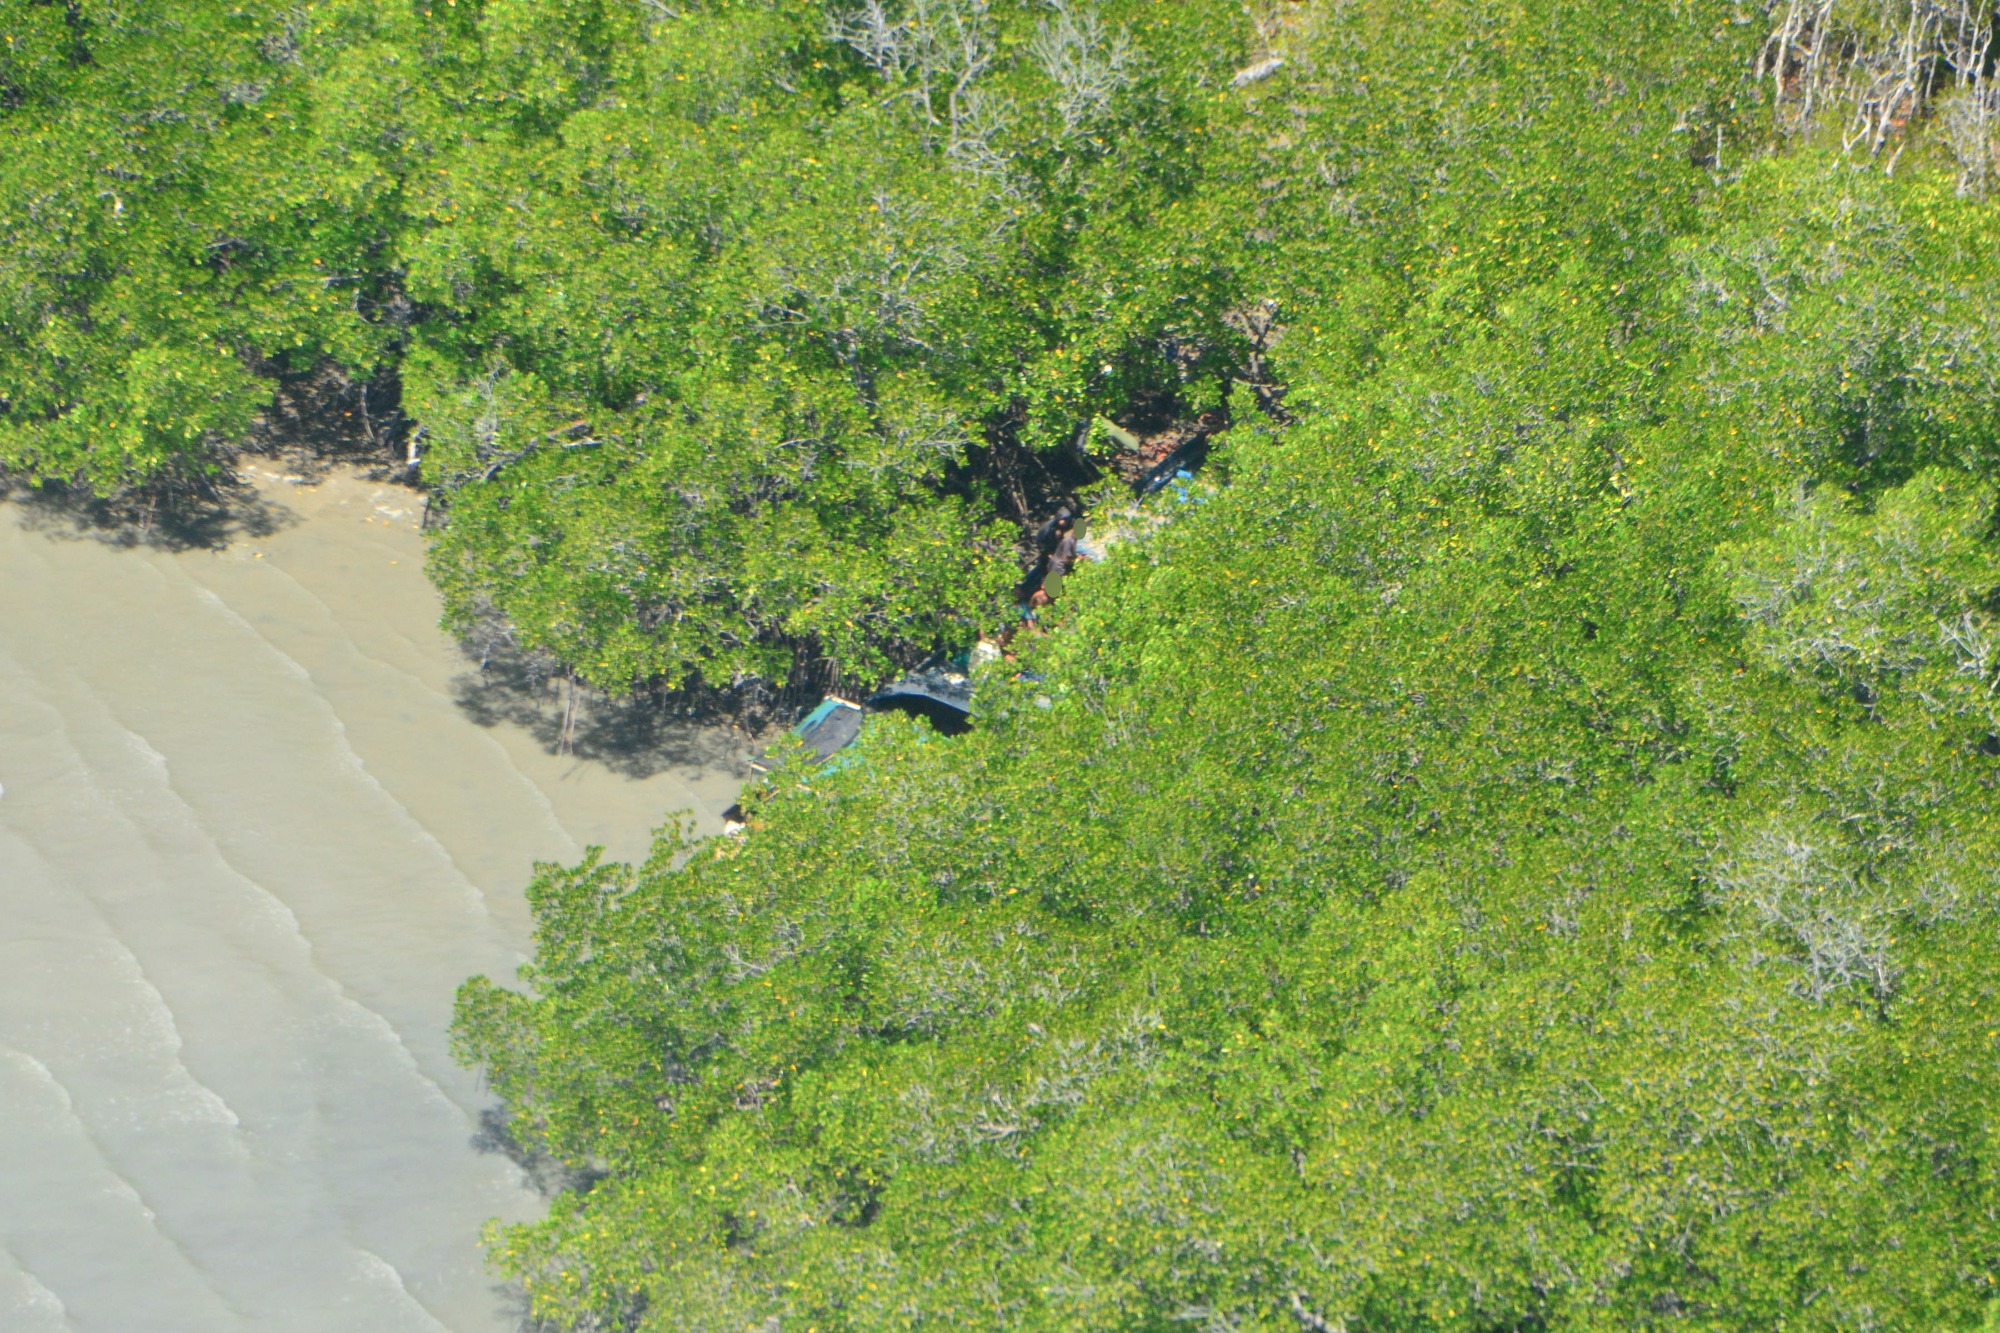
544, 1173
547, 1177
317, 419
635, 736
207, 516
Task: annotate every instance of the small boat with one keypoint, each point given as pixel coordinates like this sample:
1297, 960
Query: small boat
825, 731
939, 691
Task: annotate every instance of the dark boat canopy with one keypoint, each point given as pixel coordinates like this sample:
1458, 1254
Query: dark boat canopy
939, 684
940, 693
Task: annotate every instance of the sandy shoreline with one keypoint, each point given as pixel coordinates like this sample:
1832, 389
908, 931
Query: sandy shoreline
251, 840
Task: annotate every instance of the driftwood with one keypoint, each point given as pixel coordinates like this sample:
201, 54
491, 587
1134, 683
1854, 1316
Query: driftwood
1258, 72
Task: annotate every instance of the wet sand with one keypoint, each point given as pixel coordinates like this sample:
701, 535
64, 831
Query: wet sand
250, 842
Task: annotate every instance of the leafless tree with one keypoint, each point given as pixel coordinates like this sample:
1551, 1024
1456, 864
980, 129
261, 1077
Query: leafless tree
1088, 64
1311, 1321
879, 39
936, 51
979, 122
1972, 115
1259, 324
282, 46
873, 291
1969, 121
1881, 64
1835, 925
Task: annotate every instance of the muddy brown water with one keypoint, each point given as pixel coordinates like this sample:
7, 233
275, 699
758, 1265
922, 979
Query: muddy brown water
251, 839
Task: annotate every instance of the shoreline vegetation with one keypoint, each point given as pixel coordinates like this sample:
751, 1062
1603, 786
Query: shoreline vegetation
1518, 853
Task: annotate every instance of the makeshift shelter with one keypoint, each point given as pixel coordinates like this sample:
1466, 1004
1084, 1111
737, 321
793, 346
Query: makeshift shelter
825, 731
940, 693
1150, 462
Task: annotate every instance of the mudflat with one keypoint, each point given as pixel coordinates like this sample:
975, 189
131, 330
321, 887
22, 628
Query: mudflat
256, 827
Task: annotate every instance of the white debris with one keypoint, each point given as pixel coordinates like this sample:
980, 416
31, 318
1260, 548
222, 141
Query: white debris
1258, 72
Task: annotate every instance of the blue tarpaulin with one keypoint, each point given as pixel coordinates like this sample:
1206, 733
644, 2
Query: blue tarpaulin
824, 731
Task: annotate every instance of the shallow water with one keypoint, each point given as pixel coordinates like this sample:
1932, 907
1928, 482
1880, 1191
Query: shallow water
250, 842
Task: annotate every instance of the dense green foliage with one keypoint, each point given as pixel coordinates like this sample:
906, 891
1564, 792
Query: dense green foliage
185, 203
1518, 854
722, 342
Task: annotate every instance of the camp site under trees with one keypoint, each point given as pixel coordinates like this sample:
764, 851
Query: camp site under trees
1519, 853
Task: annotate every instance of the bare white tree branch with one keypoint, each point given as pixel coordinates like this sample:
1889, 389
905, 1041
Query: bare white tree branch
1088, 64
1884, 64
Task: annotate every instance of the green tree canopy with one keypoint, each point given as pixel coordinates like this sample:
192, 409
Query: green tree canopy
1512, 850
1517, 855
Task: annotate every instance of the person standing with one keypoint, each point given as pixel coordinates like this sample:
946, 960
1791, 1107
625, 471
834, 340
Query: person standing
1062, 551
1056, 541
1055, 546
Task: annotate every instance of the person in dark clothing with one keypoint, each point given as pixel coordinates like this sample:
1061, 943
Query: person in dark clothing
1056, 541
1061, 549
1052, 529
1031, 582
